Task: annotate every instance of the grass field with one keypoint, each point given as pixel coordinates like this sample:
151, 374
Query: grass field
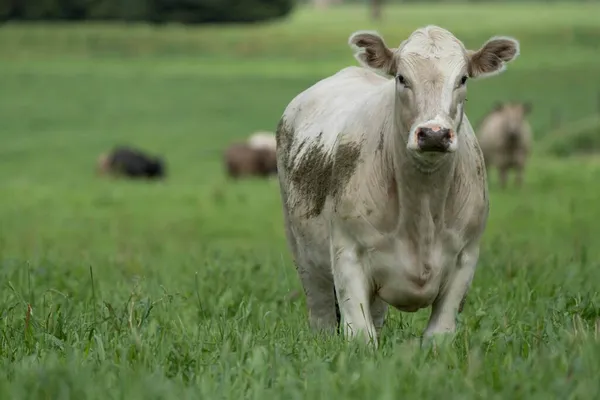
177, 290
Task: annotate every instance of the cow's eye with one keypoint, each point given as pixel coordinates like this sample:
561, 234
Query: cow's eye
463, 80
401, 80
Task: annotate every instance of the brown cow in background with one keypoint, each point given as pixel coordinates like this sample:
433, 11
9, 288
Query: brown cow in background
505, 138
253, 157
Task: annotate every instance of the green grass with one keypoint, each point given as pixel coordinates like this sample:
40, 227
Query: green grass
577, 138
179, 289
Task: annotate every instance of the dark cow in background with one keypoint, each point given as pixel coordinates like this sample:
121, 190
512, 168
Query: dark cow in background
131, 163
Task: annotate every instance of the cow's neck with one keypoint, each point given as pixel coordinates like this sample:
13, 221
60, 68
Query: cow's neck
423, 187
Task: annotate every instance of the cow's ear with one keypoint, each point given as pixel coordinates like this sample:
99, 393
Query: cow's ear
370, 50
492, 57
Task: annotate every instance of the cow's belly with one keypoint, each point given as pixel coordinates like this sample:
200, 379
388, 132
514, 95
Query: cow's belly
409, 282
406, 295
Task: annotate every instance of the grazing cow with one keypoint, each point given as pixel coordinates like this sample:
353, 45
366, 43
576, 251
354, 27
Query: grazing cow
383, 183
263, 140
241, 159
131, 163
505, 138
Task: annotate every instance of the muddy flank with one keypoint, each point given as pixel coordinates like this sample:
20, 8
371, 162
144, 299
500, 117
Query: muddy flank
317, 174
284, 137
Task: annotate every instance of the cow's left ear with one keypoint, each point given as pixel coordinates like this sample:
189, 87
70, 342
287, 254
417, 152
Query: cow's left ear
371, 51
492, 57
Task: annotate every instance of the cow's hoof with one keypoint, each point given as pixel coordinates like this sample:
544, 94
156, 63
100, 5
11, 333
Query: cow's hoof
437, 341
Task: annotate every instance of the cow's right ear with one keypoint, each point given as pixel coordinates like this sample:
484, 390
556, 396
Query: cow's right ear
370, 50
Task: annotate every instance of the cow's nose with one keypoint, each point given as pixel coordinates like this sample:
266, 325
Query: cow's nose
434, 138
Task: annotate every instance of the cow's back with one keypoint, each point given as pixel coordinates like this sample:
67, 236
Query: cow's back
262, 140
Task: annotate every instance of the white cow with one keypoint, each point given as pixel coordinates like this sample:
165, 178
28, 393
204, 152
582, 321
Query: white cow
505, 137
383, 182
262, 140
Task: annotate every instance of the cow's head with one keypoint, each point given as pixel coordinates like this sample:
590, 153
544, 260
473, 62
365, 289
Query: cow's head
514, 116
431, 69
155, 168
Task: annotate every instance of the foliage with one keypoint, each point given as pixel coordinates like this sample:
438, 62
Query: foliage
575, 138
158, 11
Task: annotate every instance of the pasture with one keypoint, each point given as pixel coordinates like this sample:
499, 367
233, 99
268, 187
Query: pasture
179, 289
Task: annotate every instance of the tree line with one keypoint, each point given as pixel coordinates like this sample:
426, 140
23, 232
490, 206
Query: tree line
155, 11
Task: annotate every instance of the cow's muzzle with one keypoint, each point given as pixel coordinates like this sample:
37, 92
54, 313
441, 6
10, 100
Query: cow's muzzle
434, 139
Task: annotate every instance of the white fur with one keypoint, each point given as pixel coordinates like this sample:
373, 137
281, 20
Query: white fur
262, 140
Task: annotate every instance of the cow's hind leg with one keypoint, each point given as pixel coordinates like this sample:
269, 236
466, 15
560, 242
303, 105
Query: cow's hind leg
338, 315
449, 302
320, 298
315, 278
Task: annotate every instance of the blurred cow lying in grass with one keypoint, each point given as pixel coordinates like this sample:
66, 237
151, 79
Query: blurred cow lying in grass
130, 163
253, 157
505, 138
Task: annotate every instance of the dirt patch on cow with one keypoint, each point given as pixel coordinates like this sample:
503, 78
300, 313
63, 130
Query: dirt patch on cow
284, 137
346, 160
319, 175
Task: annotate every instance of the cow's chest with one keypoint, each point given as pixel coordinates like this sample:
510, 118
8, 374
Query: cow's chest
409, 273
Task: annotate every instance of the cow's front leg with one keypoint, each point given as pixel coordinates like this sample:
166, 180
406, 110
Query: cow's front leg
354, 293
449, 302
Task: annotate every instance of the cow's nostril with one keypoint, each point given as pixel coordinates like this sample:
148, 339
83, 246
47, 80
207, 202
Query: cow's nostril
420, 134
